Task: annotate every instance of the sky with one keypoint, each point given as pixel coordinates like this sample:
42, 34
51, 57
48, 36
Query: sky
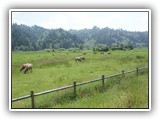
131, 21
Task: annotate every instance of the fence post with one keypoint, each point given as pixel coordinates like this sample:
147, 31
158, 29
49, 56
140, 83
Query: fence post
74, 88
32, 99
103, 85
137, 71
122, 72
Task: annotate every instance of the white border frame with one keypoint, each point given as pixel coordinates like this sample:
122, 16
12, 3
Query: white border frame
76, 10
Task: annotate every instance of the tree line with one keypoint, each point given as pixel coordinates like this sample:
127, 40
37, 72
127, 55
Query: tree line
36, 38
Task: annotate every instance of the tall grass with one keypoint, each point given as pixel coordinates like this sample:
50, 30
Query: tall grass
57, 69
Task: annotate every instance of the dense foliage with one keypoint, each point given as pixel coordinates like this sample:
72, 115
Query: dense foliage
38, 38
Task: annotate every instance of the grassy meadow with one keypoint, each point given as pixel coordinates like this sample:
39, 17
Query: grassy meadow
56, 69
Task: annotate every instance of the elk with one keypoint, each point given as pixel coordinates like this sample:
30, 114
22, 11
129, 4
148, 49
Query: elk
26, 67
80, 58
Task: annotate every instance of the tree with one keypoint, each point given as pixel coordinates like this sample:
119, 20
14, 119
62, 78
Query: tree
38, 38
101, 48
81, 47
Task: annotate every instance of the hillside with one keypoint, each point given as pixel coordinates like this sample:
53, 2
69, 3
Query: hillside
36, 38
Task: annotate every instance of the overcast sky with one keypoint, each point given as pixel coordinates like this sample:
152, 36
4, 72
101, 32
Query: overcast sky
132, 21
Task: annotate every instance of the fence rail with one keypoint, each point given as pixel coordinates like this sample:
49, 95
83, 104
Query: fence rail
32, 94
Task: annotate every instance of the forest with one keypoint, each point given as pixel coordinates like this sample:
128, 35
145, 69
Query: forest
35, 38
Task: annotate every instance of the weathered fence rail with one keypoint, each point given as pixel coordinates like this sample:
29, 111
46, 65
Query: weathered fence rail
42, 93
74, 85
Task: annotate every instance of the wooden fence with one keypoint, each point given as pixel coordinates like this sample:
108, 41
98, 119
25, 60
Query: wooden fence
74, 85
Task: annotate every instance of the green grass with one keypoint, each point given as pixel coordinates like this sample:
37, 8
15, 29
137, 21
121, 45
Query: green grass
115, 97
56, 69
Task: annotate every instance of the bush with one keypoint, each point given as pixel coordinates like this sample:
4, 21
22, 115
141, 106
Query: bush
101, 48
122, 46
61, 49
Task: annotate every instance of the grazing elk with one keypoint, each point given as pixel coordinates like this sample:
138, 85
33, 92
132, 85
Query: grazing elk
80, 58
26, 67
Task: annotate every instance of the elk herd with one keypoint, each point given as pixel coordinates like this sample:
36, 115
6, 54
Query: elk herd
28, 66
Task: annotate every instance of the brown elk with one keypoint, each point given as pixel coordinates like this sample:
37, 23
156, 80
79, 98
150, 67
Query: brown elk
80, 58
26, 67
